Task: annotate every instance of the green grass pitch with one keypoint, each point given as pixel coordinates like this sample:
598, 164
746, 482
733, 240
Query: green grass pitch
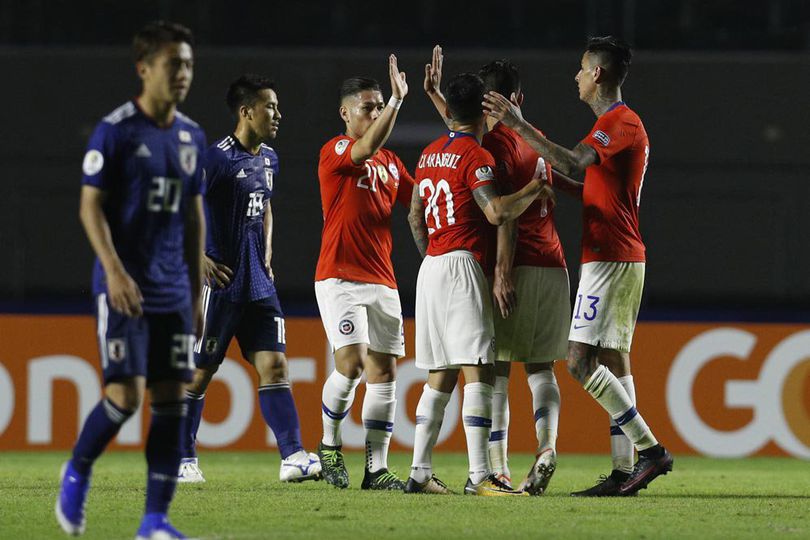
702, 498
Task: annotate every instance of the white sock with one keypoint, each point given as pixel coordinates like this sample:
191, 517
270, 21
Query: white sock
429, 417
338, 395
621, 449
546, 405
608, 391
379, 407
477, 414
499, 436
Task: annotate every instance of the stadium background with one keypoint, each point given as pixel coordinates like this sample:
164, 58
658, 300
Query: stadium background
725, 211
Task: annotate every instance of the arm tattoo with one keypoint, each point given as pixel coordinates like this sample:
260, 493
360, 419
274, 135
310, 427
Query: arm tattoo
417, 222
484, 195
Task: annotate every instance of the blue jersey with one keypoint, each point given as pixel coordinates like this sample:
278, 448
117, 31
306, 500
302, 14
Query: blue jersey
149, 175
237, 186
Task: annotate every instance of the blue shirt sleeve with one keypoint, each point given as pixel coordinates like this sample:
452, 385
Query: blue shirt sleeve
198, 182
98, 166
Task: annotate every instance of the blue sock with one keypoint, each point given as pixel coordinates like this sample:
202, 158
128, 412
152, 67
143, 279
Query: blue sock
188, 443
278, 409
163, 454
99, 429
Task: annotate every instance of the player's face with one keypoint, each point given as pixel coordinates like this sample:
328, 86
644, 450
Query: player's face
361, 110
586, 78
264, 117
167, 75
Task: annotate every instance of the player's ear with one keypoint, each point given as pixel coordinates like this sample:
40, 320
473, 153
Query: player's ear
598, 74
140, 69
447, 113
519, 99
344, 113
244, 112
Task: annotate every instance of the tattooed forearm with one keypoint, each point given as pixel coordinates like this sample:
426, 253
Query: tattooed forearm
416, 219
484, 195
570, 162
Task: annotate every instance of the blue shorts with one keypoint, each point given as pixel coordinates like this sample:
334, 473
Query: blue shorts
157, 346
258, 326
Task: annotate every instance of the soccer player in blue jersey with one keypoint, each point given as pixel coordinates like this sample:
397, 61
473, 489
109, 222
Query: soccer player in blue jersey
240, 297
142, 210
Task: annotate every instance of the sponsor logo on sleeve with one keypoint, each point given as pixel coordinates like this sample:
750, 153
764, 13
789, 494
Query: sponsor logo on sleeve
267, 162
184, 135
484, 173
93, 162
601, 137
394, 172
211, 345
341, 145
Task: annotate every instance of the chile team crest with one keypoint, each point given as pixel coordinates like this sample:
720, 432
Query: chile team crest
188, 158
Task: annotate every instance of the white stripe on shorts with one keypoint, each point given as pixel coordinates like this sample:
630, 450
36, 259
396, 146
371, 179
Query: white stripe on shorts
101, 327
206, 297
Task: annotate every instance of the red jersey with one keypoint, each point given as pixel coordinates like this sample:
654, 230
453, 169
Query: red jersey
357, 201
450, 168
516, 164
612, 189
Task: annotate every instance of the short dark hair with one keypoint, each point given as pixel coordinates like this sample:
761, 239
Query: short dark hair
155, 35
501, 76
354, 85
614, 55
464, 95
245, 90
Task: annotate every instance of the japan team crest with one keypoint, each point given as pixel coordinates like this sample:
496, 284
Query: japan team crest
116, 349
211, 345
188, 158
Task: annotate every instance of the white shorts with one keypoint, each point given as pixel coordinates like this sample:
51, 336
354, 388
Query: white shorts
453, 313
607, 302
537, 331
354, 312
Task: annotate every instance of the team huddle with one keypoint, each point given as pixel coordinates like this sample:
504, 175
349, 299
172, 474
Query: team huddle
183, 238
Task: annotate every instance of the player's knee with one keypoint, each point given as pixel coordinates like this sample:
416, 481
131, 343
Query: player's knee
349, 361
580, 366
201, 379
272, 368
125, 397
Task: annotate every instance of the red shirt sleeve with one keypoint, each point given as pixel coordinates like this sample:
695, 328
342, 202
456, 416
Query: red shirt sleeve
609, 136
406, 183
504, 165
336, 157
480, 172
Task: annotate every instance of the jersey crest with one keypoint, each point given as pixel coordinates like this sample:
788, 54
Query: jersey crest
188, 158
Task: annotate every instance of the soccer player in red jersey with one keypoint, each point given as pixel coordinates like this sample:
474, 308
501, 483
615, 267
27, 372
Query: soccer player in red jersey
614, 158
530, 284
453, 203
354, 281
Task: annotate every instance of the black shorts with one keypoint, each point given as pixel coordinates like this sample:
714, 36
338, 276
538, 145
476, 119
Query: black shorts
258, 326
158, 346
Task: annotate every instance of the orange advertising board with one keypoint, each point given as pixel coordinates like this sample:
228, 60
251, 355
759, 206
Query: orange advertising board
705, 388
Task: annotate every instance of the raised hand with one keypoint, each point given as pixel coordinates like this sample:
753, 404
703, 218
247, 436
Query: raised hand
501, 109
433, 72
399, 88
